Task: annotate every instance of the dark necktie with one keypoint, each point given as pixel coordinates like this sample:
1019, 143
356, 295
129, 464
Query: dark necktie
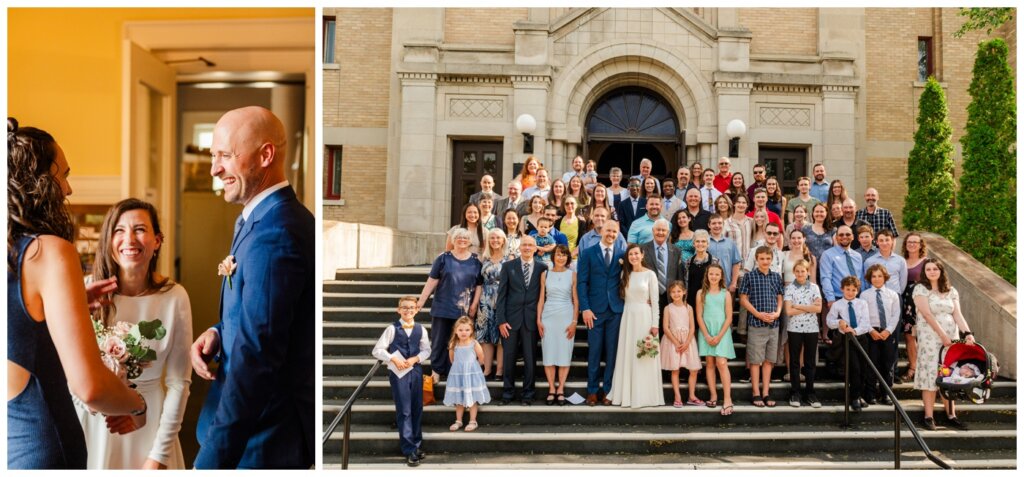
607, 256
849, 263
853, 316
661, 269
881, 308
526, 273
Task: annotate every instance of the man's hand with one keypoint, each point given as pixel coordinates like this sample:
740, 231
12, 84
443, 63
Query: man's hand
94, 292
205, 347
588, 319
504, 330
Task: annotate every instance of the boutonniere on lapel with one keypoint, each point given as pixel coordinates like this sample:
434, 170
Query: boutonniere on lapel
227, 268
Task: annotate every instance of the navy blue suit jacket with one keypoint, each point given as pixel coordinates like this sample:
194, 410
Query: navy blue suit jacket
259, 412
624, 211
597, 285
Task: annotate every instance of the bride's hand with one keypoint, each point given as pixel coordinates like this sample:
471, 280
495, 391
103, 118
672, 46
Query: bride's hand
151, 464
121, 424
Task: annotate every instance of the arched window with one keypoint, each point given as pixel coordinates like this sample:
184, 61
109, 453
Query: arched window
632, 112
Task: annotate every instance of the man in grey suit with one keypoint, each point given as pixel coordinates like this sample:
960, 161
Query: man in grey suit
486, 185
513, 201
664, 259
516, 313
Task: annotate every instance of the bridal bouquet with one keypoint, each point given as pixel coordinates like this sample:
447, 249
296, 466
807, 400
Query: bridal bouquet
647, 347
123, 348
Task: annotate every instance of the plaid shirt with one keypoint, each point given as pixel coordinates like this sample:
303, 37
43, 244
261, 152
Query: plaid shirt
880, 220
763, 292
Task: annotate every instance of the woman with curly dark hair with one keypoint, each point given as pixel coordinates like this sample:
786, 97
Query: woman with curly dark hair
48, 310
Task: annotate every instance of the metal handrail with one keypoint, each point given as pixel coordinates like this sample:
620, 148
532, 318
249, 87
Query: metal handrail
901, 414
346, 414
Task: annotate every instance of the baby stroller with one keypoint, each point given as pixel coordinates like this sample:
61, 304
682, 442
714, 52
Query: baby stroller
959, 354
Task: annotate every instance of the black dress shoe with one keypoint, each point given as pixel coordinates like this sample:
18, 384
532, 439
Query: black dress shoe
955, 423
929, 423
871, 400
855, 405
863, 404
504, 402
527, 402
885, 401
411, 460
420, 454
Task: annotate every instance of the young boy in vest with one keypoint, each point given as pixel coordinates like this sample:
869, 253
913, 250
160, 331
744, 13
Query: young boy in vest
851, 317
402, 347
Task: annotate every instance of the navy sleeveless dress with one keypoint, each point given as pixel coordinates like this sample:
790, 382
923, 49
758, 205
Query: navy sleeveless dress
43, 431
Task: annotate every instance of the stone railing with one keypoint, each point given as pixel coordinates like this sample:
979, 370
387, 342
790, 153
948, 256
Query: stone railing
348, 245
988, 302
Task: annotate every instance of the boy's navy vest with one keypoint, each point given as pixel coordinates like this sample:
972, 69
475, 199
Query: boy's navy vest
408, 345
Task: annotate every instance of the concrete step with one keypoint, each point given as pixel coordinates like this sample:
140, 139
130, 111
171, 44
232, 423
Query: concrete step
368, 287
382, 412
910, 458
336, 366
363, 299
403, 274
380, 389
683, 439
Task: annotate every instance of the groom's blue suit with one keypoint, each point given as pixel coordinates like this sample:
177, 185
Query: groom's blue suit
260, 409
597, 286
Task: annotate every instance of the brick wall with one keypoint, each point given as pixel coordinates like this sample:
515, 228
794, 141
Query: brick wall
782, 30
362, 185
891, 44
484, 26
356, 94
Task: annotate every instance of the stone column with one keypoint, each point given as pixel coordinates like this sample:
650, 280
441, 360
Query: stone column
839, 135
733, 103
530, 96
421, 184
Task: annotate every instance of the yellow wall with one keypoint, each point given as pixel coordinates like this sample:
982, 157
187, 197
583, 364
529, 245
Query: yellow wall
64, 73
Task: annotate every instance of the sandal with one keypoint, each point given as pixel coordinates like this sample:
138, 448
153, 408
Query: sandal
767, 401
695, 402
677, 404
757, 401
727, 410
456, 426
471, 426
550, 400
711, 403
560, 399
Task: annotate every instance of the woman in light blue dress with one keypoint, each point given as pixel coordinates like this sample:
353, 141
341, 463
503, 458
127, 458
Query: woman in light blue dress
557, 322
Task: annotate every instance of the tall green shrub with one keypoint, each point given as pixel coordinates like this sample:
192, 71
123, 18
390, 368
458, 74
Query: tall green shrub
930, 186
987, 204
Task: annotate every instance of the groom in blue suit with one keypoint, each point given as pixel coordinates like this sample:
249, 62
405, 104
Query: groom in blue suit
260, 409
597, 285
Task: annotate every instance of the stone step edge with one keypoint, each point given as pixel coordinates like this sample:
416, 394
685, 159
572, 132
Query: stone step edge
383, 383
367, 283
910, 406
905, 463
768, 435
368, 362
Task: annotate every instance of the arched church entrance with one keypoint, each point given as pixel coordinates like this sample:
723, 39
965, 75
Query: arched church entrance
629, 124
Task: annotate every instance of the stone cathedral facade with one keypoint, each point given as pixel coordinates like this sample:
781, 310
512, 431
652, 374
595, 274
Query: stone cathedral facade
420, 103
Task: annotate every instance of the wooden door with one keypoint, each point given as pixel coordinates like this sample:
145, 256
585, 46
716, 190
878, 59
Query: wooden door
786, 164
471, 160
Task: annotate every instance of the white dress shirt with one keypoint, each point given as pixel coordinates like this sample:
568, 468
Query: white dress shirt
891, 303
380, 350
840, 311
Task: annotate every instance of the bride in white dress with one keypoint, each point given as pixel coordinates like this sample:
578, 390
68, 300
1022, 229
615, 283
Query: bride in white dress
636, 382
129, 244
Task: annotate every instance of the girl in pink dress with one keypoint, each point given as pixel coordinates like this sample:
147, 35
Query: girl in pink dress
678, 346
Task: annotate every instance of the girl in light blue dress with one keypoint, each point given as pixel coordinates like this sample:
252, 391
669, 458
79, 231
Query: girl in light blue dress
466, 385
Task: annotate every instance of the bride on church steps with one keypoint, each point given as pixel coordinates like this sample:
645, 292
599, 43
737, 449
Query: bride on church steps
636, 382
